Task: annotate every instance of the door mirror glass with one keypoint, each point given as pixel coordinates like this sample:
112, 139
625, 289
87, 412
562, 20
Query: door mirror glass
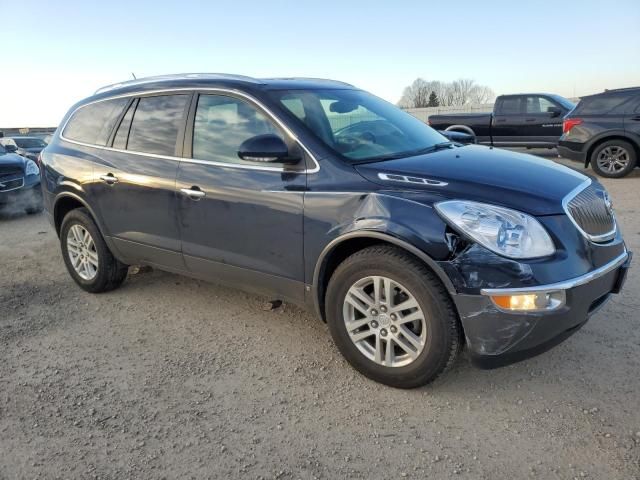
266, 148
10, 148
554, 111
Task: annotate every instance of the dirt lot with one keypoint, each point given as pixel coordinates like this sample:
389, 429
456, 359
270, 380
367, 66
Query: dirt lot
171, 377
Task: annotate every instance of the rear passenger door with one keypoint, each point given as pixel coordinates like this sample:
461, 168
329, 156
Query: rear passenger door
134, 185
243, 225
508, 121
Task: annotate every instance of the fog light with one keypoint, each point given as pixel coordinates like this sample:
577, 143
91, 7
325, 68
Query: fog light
530, 302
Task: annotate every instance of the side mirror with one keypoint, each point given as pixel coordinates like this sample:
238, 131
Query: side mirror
266, 148
11, 148
554, 111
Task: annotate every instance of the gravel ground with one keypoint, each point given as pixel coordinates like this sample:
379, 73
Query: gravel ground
172, 377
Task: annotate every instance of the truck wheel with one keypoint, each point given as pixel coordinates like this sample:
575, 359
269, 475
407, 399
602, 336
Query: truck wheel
613, 159
86, 255
392, 318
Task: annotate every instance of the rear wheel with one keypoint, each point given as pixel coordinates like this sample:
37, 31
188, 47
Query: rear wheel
613, 159
391, 317
86, 255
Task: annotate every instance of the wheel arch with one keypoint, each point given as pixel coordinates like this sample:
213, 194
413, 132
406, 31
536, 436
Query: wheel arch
611, 136
460, 128
345, 245
66, 202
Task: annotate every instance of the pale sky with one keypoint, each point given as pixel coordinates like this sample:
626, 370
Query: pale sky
58, 52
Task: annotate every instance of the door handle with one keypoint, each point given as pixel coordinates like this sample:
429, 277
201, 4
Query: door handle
194, 193
529, 119
109, 178
636, 118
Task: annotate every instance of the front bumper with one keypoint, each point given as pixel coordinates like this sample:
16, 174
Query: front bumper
28, 195
496, 337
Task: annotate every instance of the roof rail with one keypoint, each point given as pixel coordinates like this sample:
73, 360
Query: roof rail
313, 79
177, 76
620, 89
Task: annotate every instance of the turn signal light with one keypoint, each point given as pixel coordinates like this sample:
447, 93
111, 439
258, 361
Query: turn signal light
569, 123
530, 302
516, 302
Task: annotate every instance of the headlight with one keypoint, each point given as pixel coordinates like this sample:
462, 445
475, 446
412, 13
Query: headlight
502, 230
32, 168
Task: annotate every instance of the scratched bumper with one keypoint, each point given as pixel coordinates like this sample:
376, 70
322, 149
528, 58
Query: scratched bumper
496, 338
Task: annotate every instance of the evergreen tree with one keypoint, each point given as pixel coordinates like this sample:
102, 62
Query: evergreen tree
433, 100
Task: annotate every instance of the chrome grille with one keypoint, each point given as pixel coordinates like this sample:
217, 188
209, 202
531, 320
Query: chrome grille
590, 209
7, 184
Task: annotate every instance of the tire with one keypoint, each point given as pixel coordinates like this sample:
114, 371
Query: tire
108, 273
603, 159
443, 333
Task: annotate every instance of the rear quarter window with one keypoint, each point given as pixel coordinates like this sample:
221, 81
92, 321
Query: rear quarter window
604, 104
93, 123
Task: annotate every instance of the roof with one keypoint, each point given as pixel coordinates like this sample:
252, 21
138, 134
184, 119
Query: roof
195, 80
612, 91
539, 94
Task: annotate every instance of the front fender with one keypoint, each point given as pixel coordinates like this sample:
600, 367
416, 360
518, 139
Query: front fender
334, 218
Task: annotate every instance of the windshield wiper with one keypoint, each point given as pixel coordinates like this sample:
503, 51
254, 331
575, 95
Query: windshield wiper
410, 153
442, 146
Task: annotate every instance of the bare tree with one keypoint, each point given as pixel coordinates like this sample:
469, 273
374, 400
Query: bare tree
459, 92
415, 95
481, 94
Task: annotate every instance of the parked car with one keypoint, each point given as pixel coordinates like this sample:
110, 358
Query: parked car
19, 183
29, 147
406, 244
604, 131
532, 120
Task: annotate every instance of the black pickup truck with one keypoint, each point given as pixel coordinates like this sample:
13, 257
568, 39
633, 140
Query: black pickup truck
530, 120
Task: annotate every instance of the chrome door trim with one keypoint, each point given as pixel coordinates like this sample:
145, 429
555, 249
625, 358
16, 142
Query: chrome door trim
219, 90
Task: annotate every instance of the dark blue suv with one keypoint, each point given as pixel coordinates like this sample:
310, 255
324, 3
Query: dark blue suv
406, 244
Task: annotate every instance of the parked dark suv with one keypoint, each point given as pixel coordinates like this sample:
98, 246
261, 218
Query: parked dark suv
408, 245
604, 131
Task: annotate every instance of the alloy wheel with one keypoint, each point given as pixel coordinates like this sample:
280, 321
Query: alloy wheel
613, 159
384, 321
82, 252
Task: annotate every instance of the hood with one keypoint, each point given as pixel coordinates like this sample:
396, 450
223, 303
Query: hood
9, 161
515, 180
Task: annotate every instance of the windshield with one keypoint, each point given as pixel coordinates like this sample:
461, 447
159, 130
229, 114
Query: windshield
29, 142
359, 126
564, 102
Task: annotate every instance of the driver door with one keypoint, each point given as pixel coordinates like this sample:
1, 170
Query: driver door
243, 225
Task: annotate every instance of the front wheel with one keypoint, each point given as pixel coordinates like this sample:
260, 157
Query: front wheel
613, 159
86, 255
391, 317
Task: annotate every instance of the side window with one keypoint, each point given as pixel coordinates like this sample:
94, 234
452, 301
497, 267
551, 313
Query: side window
120, 140
510, 106
538, 105
600, 105
221, 125
155, 124
93, 123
